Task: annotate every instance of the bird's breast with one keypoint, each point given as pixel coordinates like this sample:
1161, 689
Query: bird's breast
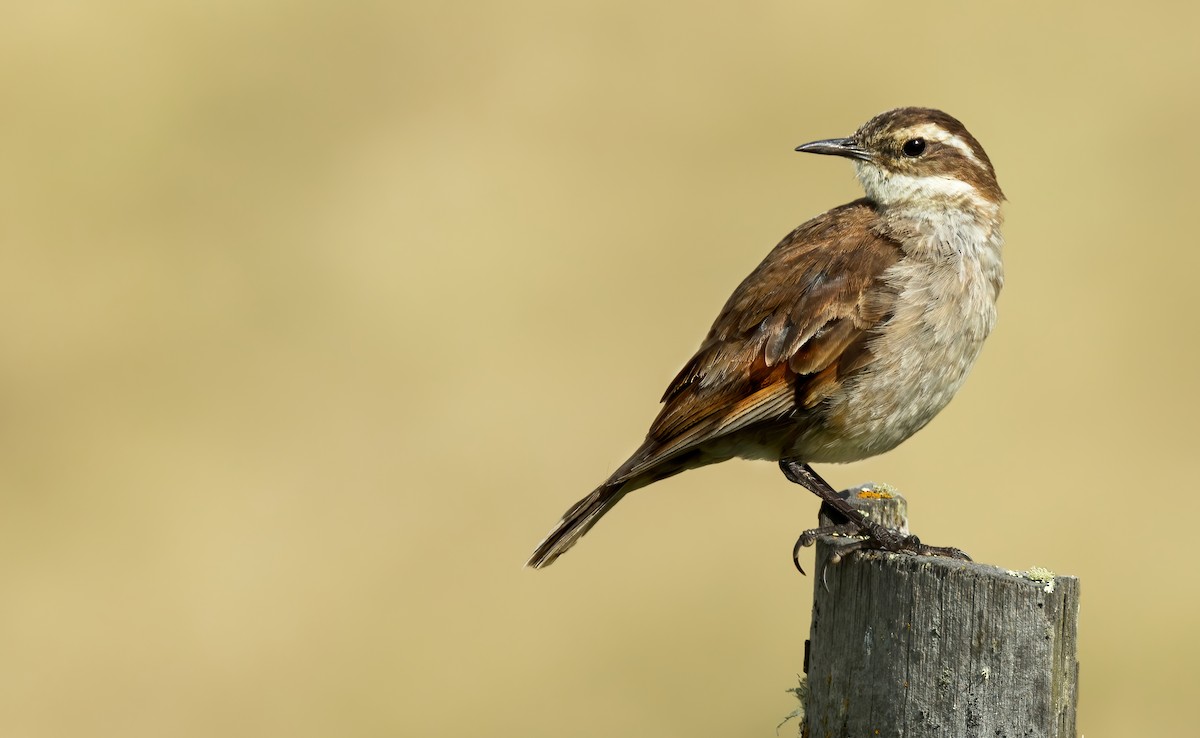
945, 307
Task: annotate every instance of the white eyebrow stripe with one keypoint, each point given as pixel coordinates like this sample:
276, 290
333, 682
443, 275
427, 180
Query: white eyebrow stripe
934, 132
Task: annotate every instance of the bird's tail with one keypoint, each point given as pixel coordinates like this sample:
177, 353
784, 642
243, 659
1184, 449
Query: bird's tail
577, 521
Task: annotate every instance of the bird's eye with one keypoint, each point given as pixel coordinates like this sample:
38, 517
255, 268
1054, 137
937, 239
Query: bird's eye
914, 147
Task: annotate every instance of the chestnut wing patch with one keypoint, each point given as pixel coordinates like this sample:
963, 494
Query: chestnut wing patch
787, 337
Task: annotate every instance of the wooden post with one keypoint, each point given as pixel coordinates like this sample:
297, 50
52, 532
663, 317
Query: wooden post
920, 646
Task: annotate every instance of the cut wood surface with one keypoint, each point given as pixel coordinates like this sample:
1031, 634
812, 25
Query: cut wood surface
926, 646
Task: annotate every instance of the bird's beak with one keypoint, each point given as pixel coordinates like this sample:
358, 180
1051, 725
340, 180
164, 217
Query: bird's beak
846, 147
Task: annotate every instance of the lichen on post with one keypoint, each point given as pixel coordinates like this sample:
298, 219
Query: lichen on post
905, 645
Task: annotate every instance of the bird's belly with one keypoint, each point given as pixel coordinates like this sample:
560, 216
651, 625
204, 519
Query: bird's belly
922, 356
884, 407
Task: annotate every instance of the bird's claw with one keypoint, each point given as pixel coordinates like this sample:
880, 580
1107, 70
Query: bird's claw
872, 537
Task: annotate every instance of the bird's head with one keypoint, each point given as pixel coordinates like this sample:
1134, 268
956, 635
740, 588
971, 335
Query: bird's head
918, 157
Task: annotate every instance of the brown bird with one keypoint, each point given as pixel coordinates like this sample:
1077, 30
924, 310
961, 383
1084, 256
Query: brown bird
848, 338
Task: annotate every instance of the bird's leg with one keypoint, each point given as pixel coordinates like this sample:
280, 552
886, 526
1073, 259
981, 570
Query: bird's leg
854, 522
874, 535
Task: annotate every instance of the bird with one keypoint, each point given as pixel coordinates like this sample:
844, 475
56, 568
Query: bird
848, 338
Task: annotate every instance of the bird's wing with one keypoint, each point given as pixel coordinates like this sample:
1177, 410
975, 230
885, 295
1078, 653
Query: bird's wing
786, 338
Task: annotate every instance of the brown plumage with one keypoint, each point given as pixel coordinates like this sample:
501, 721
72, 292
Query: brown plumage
796, 349
773, 353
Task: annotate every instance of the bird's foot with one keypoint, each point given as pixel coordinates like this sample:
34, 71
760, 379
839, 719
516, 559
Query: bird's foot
871, 537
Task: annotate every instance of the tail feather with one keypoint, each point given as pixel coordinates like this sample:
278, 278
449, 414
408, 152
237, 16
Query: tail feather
646, 468
577, 521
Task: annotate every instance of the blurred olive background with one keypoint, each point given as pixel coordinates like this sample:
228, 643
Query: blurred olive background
315, 317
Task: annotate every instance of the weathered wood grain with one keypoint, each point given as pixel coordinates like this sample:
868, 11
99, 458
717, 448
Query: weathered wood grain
924, 647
